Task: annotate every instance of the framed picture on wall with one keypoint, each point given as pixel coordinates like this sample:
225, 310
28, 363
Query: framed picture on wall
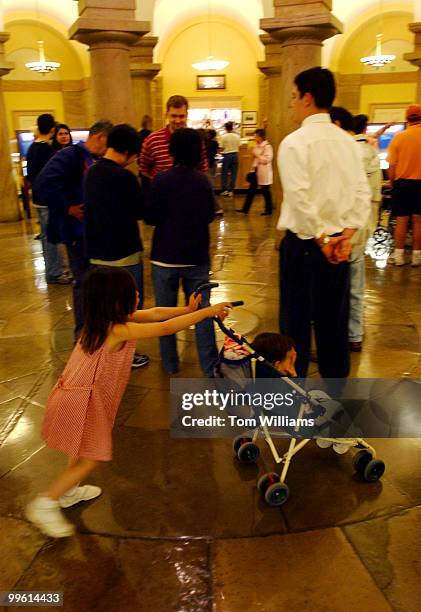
248, 132
216, 81
249, 117
388, 113
27, 119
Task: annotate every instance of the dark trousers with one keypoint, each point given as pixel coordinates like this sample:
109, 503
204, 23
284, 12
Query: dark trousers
312, 289
79, 265
251, 192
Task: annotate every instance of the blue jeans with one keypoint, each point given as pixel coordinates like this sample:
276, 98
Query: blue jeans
166, 284
356, 302
137, 272
50, 252
229, 165
79, 265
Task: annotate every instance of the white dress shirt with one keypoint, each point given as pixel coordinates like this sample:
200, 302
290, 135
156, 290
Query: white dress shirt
323, 178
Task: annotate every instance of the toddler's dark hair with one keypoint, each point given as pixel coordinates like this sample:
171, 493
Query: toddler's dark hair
273, 347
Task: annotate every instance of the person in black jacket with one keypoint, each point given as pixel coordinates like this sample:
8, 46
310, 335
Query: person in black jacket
39, 153
113, 206
181, 206
60, 187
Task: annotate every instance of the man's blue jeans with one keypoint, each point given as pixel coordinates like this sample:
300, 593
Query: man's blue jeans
166, 283
136, 271
229, 165
52, 256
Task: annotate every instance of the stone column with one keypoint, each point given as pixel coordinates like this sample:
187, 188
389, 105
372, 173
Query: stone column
300, 26
9, 205
272, 69
414, 57
110, 29
143, 70
348, 93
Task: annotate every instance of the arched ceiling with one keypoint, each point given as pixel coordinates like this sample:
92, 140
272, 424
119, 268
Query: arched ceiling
166, 16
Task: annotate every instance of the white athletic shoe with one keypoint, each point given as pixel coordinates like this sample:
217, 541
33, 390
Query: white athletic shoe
45, 514
79, 494
416, 259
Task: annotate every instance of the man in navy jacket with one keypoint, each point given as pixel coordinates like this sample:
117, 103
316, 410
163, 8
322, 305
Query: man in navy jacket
60, 187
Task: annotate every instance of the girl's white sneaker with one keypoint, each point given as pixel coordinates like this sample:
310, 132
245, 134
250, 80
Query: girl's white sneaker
45, 514
416, 259
79, 494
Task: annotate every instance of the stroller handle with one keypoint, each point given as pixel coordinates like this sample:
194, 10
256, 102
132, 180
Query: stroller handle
205, 286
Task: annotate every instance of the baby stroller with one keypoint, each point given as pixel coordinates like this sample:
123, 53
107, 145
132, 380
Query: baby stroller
239, 362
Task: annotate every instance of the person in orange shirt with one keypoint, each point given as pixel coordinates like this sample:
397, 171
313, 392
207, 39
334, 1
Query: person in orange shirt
405, 176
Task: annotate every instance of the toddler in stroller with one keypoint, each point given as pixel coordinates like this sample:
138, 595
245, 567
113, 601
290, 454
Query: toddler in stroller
272, 356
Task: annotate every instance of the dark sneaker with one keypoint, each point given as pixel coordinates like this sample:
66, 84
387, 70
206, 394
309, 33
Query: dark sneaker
63, 279
139, 361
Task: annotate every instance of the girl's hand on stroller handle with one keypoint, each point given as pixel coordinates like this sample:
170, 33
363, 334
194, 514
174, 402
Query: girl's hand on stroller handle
220, 310
194, 301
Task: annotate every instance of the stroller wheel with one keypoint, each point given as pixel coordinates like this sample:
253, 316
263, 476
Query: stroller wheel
266, 481
248, 452
374, 470
361, 460
238, 441
277, 494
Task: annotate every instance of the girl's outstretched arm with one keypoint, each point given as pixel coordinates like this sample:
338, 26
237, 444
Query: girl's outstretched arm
163, 313
133, 331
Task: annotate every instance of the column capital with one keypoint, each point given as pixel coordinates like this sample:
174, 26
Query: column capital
5, 67
148, 71
414, 57
303, 29
141, 58
106, 31
272, 65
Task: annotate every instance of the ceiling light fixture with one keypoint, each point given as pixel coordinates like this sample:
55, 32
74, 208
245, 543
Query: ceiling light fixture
42, 66
210, 63
379, 59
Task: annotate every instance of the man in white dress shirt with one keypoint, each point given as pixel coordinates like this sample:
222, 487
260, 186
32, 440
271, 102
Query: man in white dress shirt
326, 199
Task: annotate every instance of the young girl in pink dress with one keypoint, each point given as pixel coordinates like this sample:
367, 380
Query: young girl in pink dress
83, 404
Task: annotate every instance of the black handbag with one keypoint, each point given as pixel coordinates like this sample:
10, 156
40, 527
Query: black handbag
251, 176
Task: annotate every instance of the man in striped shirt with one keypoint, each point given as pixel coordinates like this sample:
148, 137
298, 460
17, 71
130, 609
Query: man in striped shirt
155, 156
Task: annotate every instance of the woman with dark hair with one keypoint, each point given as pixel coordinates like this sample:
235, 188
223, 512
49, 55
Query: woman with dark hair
62, 137
261, 174
181, 206
82, 406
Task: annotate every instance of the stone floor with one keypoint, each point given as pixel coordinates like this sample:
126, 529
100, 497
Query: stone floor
180, 525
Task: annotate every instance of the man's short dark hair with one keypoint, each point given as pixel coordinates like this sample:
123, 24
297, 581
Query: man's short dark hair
103, 126
260, 132
123, 138
346, 120
320, 83
186, 147
177, 102
45, 123
360, 123
229, 126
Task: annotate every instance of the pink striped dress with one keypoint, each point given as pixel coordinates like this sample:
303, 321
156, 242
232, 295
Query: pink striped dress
82, 406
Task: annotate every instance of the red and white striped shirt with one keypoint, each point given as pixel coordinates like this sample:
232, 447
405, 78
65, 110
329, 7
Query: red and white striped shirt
155, 156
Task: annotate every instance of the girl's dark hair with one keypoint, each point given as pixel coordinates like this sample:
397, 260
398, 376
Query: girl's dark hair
211, 134
360, 123
186, 147
272, 347
108, 297
60, 126
260, 132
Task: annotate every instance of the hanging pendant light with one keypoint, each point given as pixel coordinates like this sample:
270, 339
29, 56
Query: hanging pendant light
42, 65
210, 63
379, 59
